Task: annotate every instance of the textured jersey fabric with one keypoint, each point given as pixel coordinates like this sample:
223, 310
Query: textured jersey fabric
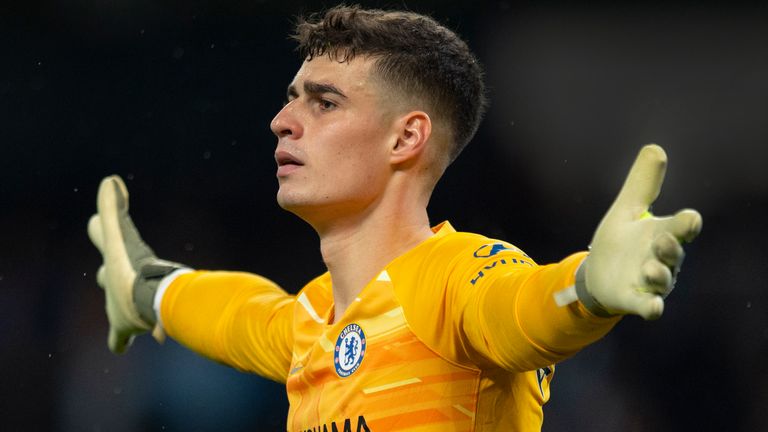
458, 334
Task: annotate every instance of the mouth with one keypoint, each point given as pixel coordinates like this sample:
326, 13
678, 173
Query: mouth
286, 163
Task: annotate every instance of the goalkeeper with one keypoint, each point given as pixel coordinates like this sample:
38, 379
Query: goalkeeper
413, 326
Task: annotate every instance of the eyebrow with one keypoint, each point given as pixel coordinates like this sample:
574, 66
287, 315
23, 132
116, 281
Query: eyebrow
315, 88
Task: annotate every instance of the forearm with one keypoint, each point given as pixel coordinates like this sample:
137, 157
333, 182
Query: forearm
515, 322
240, 319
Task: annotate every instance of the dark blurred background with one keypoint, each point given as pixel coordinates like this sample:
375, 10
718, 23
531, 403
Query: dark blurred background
177, 98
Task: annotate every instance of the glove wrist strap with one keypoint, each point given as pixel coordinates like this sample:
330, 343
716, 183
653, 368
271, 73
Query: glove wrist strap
151, 272
585, 297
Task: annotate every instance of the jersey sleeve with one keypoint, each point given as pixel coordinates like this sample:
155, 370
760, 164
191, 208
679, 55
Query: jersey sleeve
239, 319
490, 305
509, 314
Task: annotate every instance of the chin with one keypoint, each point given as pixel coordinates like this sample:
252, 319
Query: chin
291, 202
285, 202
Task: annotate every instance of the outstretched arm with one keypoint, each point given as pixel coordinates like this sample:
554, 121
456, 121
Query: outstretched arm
239, 319
528, 317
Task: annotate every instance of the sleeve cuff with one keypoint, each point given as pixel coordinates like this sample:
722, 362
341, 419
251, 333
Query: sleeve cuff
165, 282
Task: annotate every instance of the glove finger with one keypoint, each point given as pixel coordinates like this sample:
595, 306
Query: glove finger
667, 249
101, 277
657, 278
112, 195
685, 225
95, 232
111, 205
647, 305
643, 183
121, 238
119, 342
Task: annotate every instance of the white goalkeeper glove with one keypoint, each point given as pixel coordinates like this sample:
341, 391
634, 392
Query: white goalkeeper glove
634, 257
131, 272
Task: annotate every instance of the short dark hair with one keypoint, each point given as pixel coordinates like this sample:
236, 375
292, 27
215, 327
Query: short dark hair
412, 52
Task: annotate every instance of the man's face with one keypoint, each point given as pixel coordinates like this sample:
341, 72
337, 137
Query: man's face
334, 137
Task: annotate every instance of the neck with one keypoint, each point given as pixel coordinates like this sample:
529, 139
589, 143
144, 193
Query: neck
357, 249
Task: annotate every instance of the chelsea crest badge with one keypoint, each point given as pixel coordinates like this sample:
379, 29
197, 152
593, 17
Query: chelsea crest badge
349, 351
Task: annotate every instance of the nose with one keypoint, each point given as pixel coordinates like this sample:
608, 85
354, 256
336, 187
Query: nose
286, 122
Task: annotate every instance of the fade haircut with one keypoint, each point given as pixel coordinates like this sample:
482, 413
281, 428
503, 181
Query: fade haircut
412, 53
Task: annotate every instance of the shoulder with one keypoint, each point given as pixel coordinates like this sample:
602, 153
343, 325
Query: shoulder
453, 256
472, 248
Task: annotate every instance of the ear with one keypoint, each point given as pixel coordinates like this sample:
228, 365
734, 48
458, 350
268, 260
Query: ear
413, 132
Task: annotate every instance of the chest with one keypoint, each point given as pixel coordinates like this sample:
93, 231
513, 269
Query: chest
370, 371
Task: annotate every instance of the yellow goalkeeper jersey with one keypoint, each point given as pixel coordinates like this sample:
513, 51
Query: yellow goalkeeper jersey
460, 333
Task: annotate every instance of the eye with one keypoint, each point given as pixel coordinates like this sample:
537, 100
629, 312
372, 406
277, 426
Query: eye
326, 105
